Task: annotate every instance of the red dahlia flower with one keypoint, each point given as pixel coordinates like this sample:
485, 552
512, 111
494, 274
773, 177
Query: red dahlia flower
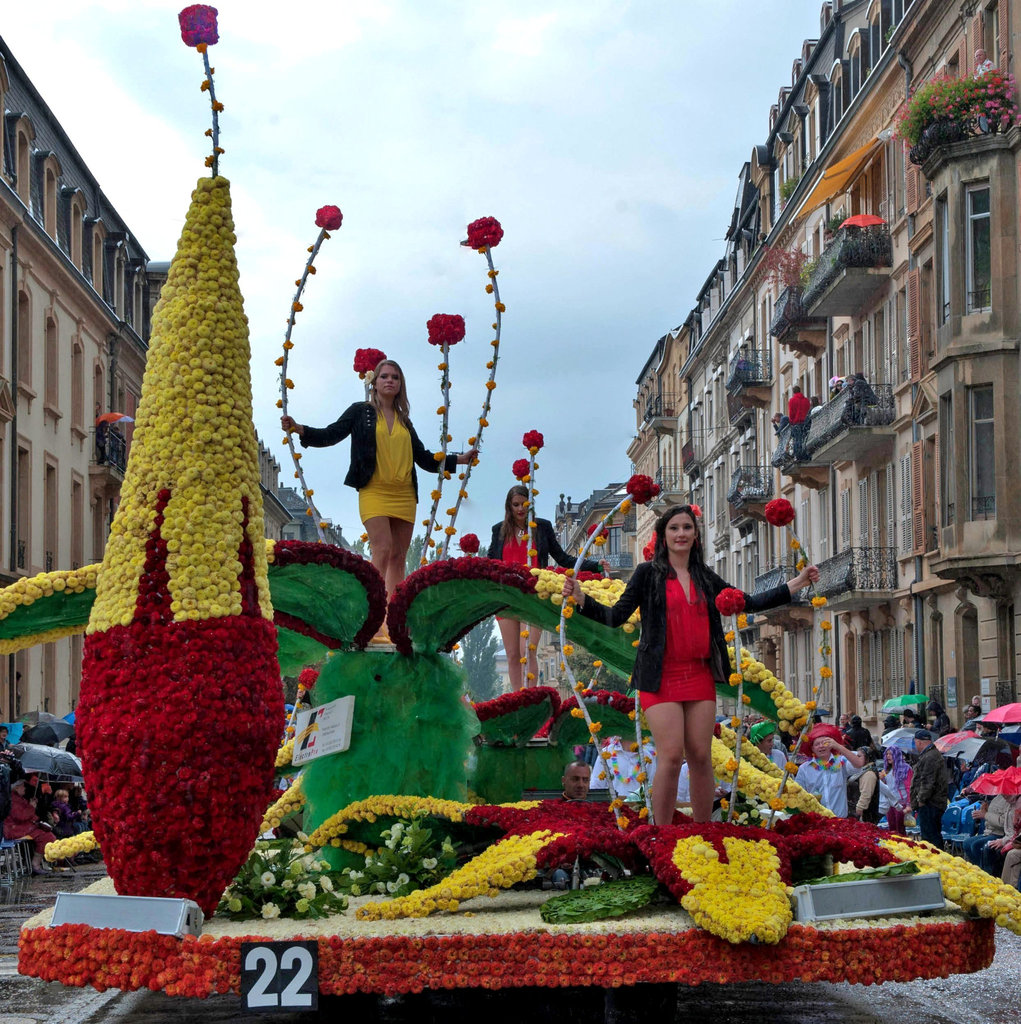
520, 468
696, 510
649, 551
367, 359
445, 329
779, 512
730, 601
329, 217
198, 25
308, 676
469, 544
592, 529
642, 489
485, 231
533, 441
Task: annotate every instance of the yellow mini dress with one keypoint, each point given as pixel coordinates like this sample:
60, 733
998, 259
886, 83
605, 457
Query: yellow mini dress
389, 492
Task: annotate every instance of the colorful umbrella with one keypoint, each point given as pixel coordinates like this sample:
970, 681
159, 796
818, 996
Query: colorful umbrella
1006, 781
905, 700
902, 739
114, 417
863, 220
944, 743
1006, 713
966, 748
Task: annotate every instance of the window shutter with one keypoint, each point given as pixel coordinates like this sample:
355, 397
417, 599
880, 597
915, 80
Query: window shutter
1004, 33
963, 67
876, 664
977, 41
863, 512
873, 539
845, 519
859, 666
891, 506
938, 487
917, 499
906, 527
915, 323
912, 184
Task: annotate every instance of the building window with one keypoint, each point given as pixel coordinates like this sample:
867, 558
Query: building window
50, 202
97, 259
77, 225
978, 253
51, 364
983, 453
947, 485
943, 227
24, 341
22, 165
906, 506
77, 385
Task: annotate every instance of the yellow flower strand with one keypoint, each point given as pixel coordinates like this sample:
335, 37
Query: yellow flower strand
290, 801
63, 849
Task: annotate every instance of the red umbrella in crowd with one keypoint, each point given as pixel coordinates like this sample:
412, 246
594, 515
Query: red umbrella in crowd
1007, 782
862, 220
944, 743
114, 417
1006, 713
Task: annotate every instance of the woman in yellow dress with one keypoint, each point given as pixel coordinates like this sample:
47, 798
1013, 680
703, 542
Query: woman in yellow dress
384, 452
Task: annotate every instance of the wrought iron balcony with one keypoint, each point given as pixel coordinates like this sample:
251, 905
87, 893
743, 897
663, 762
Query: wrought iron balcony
750, 485
671, 485
661, 413
750, 370
851, 426
691, 455
773, 578
850, 272
620, 560
793, 327
111, 450
850, 577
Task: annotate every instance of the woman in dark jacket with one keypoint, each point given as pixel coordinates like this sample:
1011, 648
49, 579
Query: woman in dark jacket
384, 452
509, 543
682, 654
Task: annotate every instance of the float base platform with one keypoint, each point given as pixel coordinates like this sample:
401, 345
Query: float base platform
502, 943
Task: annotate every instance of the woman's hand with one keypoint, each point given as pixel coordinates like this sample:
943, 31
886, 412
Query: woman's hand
468, 457
572, 588
291, 427
810, 574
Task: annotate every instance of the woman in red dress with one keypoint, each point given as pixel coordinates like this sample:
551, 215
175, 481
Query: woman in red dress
682, 654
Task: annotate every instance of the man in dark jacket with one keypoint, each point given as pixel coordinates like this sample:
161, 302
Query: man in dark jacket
857, 735
929, 786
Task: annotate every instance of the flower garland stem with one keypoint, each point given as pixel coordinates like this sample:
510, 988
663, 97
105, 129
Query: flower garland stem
646, 790
441, 475
737, 729
215, 166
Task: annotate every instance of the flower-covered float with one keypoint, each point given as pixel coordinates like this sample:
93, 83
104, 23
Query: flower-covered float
192, 617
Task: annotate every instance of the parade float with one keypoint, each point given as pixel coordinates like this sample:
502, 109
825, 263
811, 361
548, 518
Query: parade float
192, 618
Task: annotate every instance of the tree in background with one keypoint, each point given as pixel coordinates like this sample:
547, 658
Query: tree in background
479, 648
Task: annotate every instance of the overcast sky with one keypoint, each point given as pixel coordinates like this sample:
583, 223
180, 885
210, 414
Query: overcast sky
606, 137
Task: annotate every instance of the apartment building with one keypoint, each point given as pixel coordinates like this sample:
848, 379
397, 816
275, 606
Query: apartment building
904, 486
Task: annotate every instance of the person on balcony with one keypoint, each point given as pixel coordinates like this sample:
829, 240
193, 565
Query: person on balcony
816, 406
798, 408
862, 397
780, 422
982, 62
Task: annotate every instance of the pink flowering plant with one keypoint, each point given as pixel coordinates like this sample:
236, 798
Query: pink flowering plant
961, 102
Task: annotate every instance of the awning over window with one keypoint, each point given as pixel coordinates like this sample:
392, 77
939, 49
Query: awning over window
837, 177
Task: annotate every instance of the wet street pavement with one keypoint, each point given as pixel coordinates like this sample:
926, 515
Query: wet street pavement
991, 997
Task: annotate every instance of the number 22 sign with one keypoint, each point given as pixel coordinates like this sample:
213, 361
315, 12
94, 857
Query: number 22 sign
280, 975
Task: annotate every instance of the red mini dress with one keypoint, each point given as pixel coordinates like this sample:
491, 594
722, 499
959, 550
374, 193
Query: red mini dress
686, 675
515, 552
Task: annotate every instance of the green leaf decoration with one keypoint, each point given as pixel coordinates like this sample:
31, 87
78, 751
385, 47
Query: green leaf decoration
907, 867
517, 727
59, 610
598, 902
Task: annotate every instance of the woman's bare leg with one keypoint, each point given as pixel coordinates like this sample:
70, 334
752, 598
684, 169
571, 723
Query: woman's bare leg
699, 719
397, 565
380, 543
667, 724
510, 630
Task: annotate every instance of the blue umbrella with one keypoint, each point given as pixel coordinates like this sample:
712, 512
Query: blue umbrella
1011, 737
14, 730
69, 717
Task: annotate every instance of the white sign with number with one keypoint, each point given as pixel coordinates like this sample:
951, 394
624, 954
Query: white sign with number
323, 730
280, 975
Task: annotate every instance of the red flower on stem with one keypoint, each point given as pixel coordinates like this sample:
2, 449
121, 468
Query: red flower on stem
367, 359
485, 231
649, 551
198, 25
533, 441
730, 601
779, 512
592, 529
642, 488
308, 676
520, 468
329, 217
696, 510
469, 544
445, 328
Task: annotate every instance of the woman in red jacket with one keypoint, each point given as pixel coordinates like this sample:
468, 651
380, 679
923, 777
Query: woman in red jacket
23, 823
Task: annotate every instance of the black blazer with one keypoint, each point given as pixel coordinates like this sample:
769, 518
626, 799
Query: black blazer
646, 590
359, 420
546, 547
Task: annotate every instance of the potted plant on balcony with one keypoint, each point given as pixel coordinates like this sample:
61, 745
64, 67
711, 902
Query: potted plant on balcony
945, 110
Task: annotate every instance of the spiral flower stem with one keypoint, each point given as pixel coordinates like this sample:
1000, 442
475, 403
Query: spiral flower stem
299, 473
565, 665
643, 761
740, 705
483, 419
529, 549
215, 165
430, 523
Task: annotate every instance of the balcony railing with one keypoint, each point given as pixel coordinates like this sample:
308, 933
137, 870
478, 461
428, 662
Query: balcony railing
688, 455
659, 408
750, 485
983, 508
112, 449
22, 554
774, 577
870, 405
840, 283
750, 370
858, 569
788, 312
620, 560
670, 481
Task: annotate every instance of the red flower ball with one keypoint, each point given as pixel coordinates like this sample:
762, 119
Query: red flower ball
779, 512
592, 529
329, 217
308, 676
650, 549
469, 544
533, 439
198, 25
730, 601
485, 231
520, 468
445, 329
367, 359
642, 489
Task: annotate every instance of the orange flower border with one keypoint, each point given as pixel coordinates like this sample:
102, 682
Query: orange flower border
391, 965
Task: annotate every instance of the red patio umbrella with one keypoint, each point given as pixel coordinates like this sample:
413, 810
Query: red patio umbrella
1005, 713
863, 220
114, 417
1006, 781
953, 738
